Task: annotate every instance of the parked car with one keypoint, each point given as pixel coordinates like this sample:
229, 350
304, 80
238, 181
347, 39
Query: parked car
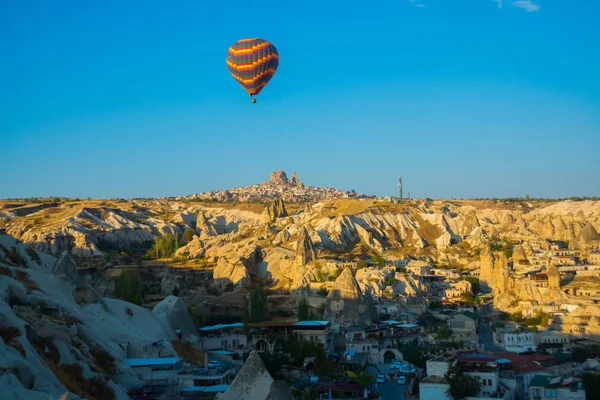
402, 380
380, 378
405, 369
397, 364
214, 364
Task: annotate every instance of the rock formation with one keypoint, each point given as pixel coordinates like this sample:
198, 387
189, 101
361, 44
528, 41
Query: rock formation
203, 227
345, 302
194, 249
519, 253
487, 259
254, 382
273, 211
305, 251
278, 177
295, 181
173, 315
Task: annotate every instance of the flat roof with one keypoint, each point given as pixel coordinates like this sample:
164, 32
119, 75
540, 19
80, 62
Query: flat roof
312, 323
221, 326
206, 389
391, 322
146, 362
408, 326
223, 352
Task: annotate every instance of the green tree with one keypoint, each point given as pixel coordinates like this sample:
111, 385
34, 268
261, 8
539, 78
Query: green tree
591, 383
379, 260
475, 284
164, 247
461, 385
187, 236
390, 282
303, 312
413, 355
467, 297
435, 305
128, 287
444, 332
361, 264
363, 379
255, 310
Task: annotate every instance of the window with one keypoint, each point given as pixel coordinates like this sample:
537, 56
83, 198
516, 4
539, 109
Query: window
550, 393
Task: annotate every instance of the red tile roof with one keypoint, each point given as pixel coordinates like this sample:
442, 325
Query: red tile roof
521, 364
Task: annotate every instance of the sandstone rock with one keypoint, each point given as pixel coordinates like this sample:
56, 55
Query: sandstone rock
194, 249
173, 315
254, 382
345, 303
305, 251
519, 253
235, 273
295, 181
273, 211
487, 259
204, 227
283, 236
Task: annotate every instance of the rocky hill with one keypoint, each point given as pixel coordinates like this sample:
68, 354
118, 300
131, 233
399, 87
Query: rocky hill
278, 186
58, 335
291, 244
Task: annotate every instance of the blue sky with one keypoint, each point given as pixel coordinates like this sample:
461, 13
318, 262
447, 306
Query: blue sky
464, 98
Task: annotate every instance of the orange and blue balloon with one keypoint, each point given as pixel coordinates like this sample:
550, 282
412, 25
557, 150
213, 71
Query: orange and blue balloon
252, 62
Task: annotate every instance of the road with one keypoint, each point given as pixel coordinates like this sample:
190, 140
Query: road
390, 390
485, 329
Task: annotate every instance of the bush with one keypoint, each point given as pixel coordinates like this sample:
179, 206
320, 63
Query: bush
390, 282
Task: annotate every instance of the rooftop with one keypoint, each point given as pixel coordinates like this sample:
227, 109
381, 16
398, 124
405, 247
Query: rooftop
312, 323
147, 362
547, 381
469, 314
221, 326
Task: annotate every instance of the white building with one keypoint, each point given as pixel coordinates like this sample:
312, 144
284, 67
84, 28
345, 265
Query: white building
519, 341
230, 337
418, 268
545, 387
156, 370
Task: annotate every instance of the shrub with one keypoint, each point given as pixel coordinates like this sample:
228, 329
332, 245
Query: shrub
390, 282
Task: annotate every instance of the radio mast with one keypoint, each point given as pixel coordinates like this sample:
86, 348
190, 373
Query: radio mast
400, 186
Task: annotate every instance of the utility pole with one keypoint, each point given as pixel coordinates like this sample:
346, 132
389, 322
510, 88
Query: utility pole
400, 186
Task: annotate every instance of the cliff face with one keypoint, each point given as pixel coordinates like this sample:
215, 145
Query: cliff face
63, 337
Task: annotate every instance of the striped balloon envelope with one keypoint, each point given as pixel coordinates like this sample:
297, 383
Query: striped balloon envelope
252, 62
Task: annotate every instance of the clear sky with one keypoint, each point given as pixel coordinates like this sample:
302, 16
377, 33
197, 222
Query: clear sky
464, 98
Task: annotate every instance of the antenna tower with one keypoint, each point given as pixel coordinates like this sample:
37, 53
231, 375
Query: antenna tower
400, 186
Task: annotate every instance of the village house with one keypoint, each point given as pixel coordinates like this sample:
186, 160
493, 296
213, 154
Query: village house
464, 326
272, 336
156, 370
417, 267
230, 337
483, 366
545, 387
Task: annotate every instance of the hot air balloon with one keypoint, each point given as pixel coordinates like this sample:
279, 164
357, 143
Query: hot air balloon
252, 62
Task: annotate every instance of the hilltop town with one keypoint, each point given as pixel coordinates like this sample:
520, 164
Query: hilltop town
281, 290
